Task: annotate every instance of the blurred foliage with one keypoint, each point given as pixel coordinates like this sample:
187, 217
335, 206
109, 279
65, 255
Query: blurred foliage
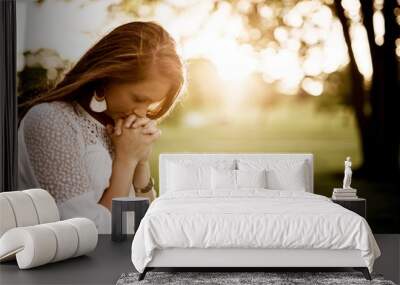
43, 69
261, 20
207, 92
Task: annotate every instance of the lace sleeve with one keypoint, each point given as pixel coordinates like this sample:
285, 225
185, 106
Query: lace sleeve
56, 152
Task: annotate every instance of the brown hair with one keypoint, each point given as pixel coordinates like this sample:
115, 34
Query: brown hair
126, 54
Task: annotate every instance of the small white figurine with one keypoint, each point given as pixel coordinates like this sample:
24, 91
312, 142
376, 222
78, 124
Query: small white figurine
347, 173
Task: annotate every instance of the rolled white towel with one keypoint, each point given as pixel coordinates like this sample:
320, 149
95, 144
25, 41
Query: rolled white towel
23, 208
26, 208
66, 237
40, 244
7, 220
33, 246
45, 205
87, 234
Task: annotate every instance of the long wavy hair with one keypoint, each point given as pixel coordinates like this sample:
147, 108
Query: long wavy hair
126, 54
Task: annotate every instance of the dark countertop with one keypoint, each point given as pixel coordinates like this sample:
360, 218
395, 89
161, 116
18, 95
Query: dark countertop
104, 265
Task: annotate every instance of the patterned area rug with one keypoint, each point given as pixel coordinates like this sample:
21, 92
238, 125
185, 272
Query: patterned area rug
230, 278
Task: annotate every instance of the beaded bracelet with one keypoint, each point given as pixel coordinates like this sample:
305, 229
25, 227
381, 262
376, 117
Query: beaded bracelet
148, 187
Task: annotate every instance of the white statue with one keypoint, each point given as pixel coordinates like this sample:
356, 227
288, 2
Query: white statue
347, 173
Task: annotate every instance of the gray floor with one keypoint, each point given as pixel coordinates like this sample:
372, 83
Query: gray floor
389, 262
110, 260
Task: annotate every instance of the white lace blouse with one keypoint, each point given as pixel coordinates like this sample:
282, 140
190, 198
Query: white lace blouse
63, 149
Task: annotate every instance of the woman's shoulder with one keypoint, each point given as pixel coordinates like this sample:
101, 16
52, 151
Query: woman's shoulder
50, 114
51, 110
50, 107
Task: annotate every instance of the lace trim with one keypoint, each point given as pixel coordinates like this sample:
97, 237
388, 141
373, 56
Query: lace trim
92, 130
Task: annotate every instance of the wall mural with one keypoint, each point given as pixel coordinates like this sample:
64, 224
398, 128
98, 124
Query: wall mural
261, 76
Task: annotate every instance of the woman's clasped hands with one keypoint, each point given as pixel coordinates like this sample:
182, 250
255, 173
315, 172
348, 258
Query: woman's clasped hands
133, 137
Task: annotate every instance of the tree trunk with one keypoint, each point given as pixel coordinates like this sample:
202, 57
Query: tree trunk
357, 89
388, 108
379, 128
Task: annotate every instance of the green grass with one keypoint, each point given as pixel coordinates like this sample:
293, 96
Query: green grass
290, 129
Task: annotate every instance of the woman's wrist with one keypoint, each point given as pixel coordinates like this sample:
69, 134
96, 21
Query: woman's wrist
142, 174
120, 180
129, 162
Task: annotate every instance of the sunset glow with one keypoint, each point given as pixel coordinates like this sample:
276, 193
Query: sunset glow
308, 45
216, 37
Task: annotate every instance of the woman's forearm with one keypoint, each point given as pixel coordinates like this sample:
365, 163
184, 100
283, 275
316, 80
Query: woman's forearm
120, 181
142, 174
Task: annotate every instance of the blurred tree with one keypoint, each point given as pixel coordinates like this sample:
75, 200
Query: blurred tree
43, 69
376, 108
